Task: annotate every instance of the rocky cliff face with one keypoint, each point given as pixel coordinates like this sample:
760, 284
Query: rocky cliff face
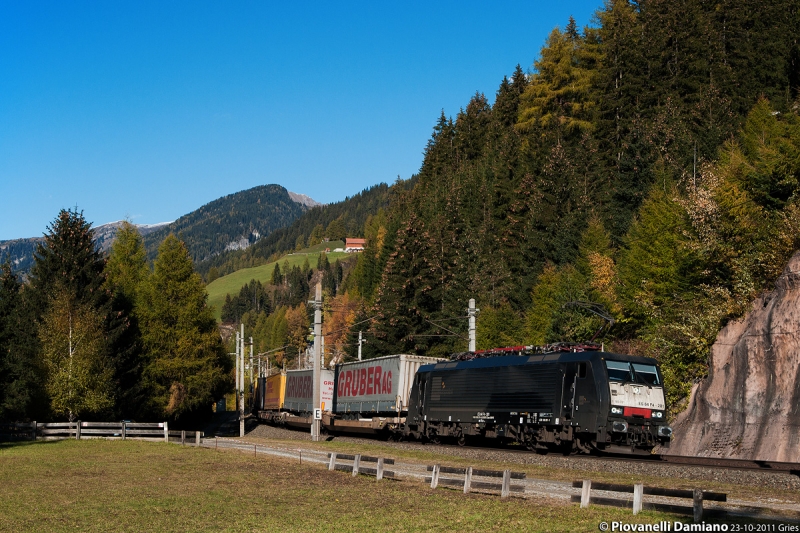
749, 406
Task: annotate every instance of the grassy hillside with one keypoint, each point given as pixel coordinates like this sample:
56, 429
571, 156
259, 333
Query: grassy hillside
232, 283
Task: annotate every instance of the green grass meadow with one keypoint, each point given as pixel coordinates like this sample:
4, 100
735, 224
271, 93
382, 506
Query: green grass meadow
232, 283
100, 485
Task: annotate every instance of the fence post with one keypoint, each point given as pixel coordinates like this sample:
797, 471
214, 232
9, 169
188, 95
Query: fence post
197, 438
638, 494
435, 477
586, 493
35, 429
698, 506
183, 437
506, 484
123, 430
356, 464
166, 431
332, 463
468, 480
379, 470
78, 431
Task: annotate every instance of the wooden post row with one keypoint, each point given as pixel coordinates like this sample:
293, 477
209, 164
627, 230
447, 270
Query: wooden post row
78, 431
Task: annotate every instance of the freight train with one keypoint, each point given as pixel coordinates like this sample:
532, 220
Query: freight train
569, 398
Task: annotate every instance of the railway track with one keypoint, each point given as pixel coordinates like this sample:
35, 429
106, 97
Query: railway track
732, 464
776, 467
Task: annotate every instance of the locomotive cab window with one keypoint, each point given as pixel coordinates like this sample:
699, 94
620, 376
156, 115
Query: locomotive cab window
646, 373
582, 370
619, 371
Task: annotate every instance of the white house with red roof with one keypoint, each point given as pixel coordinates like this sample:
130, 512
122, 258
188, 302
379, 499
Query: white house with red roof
354, 245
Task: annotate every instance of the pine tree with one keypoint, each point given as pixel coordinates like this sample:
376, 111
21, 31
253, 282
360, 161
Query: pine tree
277, 278
187, 367
20, 376
126, 272
68, 259
69, 267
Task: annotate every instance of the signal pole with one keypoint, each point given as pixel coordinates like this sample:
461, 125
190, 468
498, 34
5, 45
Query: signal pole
360, 340
317, 370
472, 312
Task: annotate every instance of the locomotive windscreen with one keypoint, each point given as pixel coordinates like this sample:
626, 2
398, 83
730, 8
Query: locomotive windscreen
632, 373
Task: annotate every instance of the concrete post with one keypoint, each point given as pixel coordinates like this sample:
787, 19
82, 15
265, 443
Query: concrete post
317, 352
586, 493
332, 462
472, 312
468, 480
504, 492
241, 384
379, 470
435, 477
697, 506
638, 495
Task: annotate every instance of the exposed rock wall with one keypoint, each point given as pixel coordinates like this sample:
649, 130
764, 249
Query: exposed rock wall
749, 406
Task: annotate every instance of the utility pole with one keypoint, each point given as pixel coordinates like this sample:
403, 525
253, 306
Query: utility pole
472, 313
252, 376
237, 366
360, 340
241, 384
317, 370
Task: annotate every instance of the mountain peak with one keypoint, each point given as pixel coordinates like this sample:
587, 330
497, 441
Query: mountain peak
303, 199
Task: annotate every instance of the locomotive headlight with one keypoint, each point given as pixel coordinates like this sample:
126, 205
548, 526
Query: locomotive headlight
616, 410
658, 414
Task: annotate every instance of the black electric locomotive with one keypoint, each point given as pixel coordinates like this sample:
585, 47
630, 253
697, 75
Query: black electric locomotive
566, 401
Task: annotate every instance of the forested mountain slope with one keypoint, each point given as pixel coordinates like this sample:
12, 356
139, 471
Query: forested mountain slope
20, 252
335, 221
232, 222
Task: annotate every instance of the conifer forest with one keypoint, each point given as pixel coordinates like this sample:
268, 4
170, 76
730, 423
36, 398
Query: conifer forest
647, 165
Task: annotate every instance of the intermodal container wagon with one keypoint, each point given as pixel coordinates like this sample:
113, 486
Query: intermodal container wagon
376, 386
298, 397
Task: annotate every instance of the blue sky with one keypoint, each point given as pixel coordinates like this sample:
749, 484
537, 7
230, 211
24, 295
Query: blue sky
148, 110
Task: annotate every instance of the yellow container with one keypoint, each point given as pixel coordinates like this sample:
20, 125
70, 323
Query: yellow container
275, 392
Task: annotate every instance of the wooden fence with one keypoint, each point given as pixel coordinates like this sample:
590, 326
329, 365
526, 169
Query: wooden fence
639, 491
469, 484
355, 467
154, 431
